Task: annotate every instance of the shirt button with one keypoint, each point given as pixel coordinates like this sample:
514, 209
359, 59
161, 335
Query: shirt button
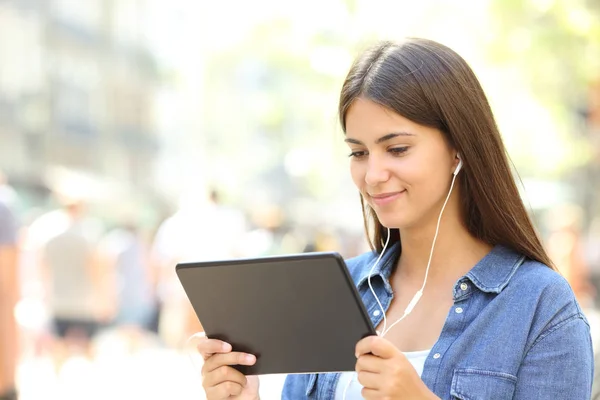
376, 313
458, 310
464, 286
437, 355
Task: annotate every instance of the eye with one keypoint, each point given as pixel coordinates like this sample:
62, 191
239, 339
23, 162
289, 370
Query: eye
358, 154
398, 150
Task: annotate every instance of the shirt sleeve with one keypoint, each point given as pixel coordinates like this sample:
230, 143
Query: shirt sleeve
560, 363
8, 227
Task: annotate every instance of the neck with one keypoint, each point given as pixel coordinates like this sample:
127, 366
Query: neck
456, 251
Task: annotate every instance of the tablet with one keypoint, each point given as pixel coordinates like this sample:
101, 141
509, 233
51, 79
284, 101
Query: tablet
297, 313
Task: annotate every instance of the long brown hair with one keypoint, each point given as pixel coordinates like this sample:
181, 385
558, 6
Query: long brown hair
433, 86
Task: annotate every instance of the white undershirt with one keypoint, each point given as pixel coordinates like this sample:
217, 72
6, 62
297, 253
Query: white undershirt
416, 358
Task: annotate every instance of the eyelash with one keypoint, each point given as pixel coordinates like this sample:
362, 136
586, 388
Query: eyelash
396, 151
357, 154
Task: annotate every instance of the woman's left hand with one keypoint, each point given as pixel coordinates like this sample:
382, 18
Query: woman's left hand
386, 373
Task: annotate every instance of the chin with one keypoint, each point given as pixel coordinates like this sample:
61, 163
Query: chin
393, 221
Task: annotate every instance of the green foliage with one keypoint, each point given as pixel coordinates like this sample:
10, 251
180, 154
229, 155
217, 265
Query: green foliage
555, 44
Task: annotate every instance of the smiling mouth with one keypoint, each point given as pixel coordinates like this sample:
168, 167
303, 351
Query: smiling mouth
385, 198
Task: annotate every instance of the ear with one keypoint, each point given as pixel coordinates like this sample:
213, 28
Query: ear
459, 165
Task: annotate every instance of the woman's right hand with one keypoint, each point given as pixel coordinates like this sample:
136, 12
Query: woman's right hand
220, 380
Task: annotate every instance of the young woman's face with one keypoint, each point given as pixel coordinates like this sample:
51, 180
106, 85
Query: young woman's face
402, 169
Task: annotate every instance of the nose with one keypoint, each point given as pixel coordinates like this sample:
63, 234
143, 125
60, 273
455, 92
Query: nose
377, 171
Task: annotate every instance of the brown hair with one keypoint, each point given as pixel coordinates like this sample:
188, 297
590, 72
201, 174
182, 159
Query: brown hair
433, 86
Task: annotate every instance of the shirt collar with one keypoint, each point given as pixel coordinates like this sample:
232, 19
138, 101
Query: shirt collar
383, 268
491, 274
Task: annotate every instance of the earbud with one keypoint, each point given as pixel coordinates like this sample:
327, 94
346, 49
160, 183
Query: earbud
459, 166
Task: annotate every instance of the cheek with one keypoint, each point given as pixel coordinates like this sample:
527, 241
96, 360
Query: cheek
423, 183
428, 189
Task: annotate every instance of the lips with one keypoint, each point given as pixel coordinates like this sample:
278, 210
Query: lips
382, 199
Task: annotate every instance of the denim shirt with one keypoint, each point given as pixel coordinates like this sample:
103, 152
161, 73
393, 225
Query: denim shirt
515, 331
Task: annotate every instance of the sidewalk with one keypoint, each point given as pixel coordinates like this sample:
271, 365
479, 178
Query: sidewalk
151, 373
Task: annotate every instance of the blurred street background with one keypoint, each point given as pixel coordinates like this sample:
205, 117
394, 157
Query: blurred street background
135, 134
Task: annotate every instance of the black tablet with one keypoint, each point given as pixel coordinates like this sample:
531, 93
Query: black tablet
297, 313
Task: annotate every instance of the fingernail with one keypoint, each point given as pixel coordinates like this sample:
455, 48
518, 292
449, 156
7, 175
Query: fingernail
250, 359
226, 347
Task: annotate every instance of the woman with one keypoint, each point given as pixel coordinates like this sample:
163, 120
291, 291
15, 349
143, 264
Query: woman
474, 308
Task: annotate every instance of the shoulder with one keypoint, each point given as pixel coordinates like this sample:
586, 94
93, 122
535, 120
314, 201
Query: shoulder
542, 279
559, 335
547, 291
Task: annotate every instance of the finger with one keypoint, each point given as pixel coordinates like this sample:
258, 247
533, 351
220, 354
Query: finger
370, 380
223, 390
232, 358
224, 374
208, 347
371, 394
369, 363
377, 346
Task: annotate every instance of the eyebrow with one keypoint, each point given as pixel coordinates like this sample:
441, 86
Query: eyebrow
382, 139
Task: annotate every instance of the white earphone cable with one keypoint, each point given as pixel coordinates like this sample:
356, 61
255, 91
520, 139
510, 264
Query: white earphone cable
412, 304
419, 293
387, 240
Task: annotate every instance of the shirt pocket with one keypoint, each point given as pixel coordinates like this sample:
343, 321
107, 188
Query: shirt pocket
476, 384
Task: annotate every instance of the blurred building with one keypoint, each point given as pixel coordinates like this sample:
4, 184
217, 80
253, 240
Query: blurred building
77, 87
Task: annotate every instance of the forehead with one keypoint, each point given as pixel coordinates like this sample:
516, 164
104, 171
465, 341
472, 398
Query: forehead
368, 121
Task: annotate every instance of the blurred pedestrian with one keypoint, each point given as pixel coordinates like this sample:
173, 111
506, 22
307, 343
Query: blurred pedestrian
9, 295
265, 233
76, 289
124, 258
203, 228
